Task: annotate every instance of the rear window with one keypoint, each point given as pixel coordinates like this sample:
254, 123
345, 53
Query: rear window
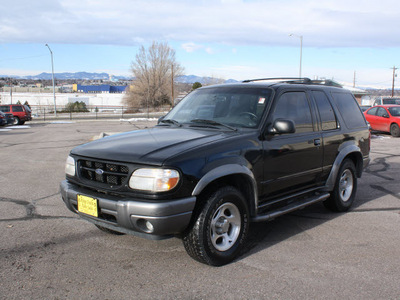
349, 109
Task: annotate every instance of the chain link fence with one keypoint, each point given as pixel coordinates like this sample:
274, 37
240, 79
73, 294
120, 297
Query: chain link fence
70, 112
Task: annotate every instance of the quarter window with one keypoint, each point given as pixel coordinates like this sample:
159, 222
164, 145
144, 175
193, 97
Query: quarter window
294, 106
349, 110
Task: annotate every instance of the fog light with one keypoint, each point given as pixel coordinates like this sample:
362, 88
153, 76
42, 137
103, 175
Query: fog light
149, 226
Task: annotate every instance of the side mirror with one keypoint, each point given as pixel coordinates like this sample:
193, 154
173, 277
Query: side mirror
385, 115
160, 119
282, 126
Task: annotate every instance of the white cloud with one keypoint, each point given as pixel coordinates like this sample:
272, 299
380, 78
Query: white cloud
209, 50
123, 22
191, 47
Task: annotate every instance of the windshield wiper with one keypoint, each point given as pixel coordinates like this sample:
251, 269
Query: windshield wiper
213, 123
170, 121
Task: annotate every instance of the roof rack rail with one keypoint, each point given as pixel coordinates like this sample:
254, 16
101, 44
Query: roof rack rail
283, 79
298, 80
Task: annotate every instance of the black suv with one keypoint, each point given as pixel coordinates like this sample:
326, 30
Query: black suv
225, 156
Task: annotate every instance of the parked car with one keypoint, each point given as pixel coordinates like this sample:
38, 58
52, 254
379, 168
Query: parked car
21, 113
386, 101
225, 156
6, 119
384, 118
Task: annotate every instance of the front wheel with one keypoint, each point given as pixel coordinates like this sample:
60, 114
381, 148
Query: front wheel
220, 229
345, 188
16, 121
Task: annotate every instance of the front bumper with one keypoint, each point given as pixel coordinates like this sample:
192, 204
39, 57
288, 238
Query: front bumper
167, 217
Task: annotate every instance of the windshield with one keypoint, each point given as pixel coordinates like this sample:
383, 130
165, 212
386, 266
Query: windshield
232, 106
395, 111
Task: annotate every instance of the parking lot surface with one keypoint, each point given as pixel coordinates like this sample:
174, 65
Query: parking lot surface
47, 252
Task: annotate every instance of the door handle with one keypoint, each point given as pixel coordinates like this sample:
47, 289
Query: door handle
317, 142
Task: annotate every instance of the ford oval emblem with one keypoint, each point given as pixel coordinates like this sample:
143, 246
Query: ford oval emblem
99, 171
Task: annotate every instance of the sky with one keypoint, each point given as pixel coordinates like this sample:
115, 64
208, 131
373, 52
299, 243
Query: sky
230, 39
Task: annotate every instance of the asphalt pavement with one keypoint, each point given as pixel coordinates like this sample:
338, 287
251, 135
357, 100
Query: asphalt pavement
47, 252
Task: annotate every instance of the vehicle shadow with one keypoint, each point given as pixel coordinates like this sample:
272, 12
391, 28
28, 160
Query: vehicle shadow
378, 180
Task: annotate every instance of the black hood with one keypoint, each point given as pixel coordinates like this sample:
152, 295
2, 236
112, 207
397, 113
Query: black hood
148, 146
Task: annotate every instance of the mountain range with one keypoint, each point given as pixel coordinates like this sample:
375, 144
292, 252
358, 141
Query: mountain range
190, 79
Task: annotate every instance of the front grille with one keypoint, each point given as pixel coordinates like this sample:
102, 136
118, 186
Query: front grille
110, 174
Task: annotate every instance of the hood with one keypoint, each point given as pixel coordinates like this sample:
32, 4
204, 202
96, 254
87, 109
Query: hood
148, 146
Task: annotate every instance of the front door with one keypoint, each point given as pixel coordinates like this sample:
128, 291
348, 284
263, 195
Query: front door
292, 161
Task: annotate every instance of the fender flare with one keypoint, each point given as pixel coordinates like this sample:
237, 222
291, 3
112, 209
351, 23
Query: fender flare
349, 149
227, 170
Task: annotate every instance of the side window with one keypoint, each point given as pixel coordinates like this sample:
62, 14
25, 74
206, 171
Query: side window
294, 106
372, 111
349, 110
381, 112
326, 113
5, 108
17, 109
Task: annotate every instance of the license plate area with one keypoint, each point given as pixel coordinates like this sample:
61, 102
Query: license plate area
88, 205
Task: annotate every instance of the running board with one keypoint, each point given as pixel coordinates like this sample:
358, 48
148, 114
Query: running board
289, 208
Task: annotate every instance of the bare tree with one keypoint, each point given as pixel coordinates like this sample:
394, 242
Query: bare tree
154, 70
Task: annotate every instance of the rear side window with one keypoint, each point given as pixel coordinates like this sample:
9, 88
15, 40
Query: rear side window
326, 113
5, 108
17, 109
349, 110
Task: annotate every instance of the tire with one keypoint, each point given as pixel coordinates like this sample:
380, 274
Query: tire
218, 233
395, 130
106, 230
16, 121
21, 122
345, 189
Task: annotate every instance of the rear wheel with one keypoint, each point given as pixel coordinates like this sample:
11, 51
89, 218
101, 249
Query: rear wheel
345, 189
220, 229
395, 130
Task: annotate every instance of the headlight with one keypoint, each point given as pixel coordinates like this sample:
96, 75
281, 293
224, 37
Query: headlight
154, 180
70, 166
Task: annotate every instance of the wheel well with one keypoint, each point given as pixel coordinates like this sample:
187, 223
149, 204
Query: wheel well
239, 181
356, 157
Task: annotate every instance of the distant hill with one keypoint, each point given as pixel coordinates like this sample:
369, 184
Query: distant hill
190, 79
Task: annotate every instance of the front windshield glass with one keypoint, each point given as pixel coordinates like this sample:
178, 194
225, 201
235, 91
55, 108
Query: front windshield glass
394, 111
233, 106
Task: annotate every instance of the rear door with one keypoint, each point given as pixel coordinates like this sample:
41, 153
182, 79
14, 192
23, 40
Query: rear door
292, 161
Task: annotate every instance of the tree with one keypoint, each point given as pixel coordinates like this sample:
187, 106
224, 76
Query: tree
196, 85
154, 70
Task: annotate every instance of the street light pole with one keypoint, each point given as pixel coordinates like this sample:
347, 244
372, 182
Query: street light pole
52, 76
301, 49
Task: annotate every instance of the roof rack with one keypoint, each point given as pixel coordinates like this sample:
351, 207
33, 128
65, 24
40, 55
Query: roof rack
298, 80
282, 79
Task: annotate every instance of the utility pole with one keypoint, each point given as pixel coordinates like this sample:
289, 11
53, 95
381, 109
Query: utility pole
394, 75
52, 73
354, 80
